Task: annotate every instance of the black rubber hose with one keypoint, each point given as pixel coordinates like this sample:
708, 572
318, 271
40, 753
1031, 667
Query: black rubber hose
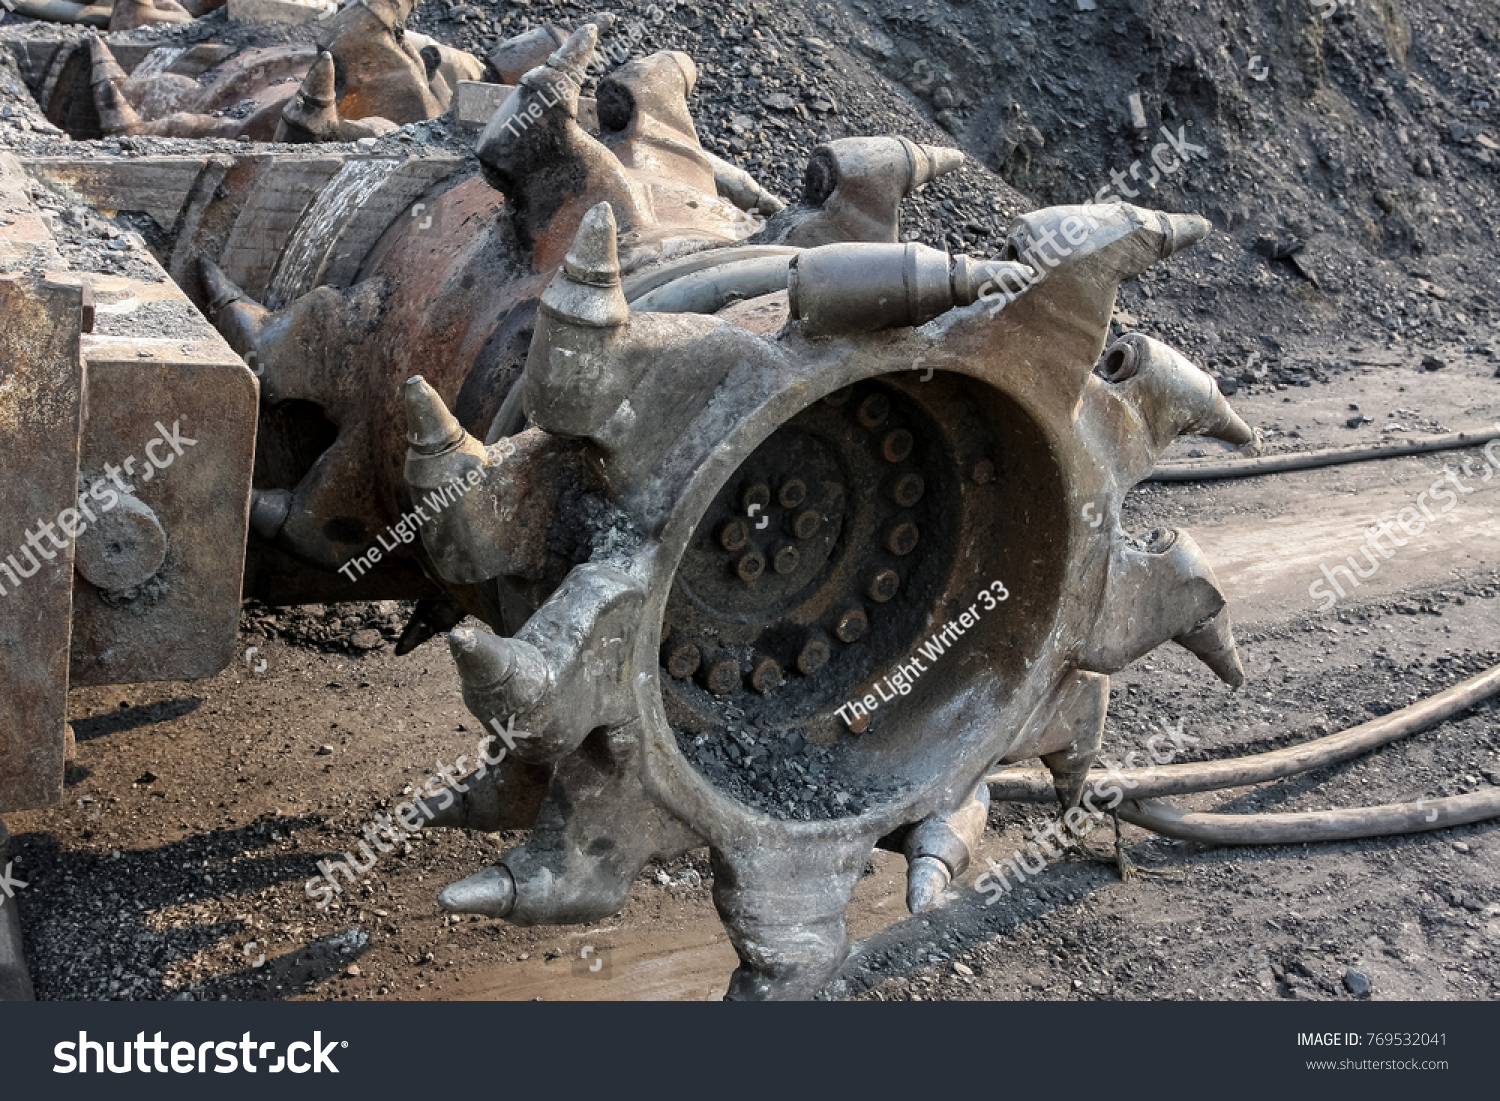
1318, 825
1034, 785
711, 289
1309, 460
638, 286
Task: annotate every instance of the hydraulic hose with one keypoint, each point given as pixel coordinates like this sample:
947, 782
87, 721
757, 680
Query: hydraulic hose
1035, 785
1309, 460
711, 289
1146, 785
1317, 825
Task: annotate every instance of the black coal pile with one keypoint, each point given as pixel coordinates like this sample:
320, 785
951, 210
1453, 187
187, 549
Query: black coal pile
779, 772
1363, 141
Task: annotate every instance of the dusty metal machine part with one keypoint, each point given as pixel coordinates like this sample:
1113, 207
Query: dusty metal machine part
444, 281
129, 430
338, 276
826, 589
518, 55
127, 512
117, 15
126, 15
385, 77
767, 554
41, 410
723, 541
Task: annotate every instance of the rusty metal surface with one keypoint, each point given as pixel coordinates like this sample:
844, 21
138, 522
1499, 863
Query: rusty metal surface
853, 187
158, 186
90, 88
147, 482
180, 620
41, 389
740, 535
40, 413
450, 288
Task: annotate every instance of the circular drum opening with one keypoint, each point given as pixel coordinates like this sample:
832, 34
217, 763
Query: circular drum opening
821, 575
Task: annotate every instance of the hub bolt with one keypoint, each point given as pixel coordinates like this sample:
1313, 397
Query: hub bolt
733, 535
750, 566
883, 586
793, 493
805, 526
767, 676
757, 493
907, 490
851, 625
902, 539
683, 660
813, 657
873, 410
722, 676
785, 560
897, 445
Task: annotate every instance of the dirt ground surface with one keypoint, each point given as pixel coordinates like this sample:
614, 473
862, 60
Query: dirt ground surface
1350, 294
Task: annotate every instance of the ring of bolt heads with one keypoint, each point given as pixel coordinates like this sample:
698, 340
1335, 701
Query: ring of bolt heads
814, 567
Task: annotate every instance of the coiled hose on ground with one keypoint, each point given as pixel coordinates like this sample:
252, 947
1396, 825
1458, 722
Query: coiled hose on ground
1146, 787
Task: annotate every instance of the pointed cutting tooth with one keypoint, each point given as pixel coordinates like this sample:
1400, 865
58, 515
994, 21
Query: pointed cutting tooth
594, 257
940, 847
501, 676
430, 428
491, 892
1180, 231
318, 85
1223, 423
939, 161
237, 316
313, 112
1213, 643
1079, 708
116, 115
102, 63
926, 879
588, 290
269, 509
221, 289
529, 129
572, 57
483, 660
